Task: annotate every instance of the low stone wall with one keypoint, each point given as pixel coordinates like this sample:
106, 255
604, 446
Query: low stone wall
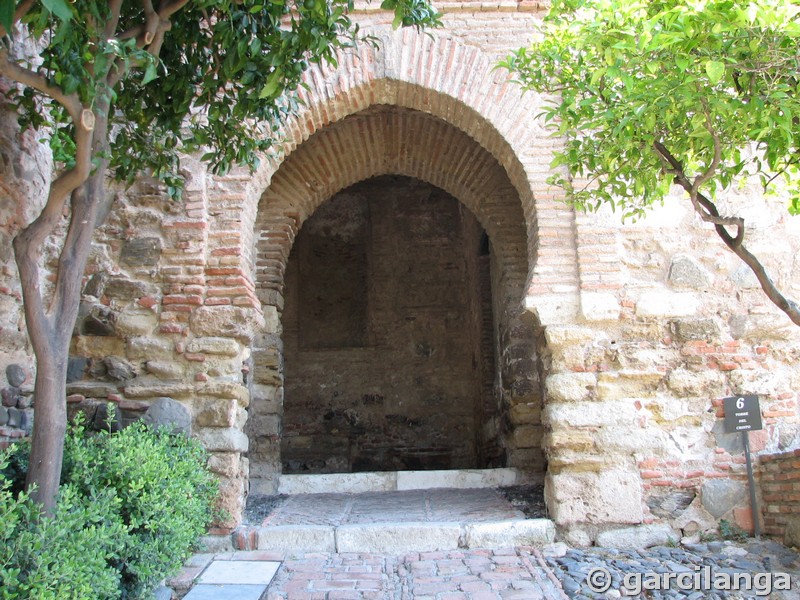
780, 490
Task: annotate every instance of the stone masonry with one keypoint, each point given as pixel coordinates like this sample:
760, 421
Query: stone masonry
612, 345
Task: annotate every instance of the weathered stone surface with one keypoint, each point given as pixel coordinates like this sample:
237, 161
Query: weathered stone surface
20, 418
555, 550
758, 381
119, 369
227, 321
628, 384
744, 278
223, 389
95, 346
570, 387
596, 306
91, 389
720, 495
166, 412
792, 532
9, 396
306, 538
558, 335
685, 272
697, 329
527, 436
144, 388
219, 413
94, 287
141, 252
760, 328
76, 368
3, 416
100, 321
643, 536
528, 532
705, 383
165, 369
672, 504
732, 442
661, 304
610, 496
222, 439
215, 345
224, 463
589, 414
122, 288
136, 323
398, 538
16, 375
146, 348
695, 519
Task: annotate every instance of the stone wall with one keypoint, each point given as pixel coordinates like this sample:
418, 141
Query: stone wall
780, 492
614, 344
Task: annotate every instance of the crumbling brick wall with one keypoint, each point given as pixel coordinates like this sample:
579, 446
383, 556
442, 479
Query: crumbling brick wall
780, 492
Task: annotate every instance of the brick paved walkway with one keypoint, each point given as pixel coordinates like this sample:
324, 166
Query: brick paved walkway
457, 575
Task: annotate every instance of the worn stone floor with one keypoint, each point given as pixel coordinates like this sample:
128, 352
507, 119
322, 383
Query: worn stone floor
441, 504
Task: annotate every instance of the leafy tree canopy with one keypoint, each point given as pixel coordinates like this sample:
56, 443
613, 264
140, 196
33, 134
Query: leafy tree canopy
180, 75
651, 93
128, 85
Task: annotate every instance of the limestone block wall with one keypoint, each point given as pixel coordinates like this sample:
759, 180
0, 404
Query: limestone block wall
780, 490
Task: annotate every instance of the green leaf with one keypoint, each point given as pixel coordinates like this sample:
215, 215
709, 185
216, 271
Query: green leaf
715, 70
59, 8
150, 73
7, 15
270, 89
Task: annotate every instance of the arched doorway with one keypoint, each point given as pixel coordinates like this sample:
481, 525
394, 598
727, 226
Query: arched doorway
388, 139
388, 335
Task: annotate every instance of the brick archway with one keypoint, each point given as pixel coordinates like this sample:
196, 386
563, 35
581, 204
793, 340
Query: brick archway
458, 83
432, 108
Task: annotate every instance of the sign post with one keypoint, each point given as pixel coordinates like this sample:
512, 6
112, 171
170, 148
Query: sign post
742, 413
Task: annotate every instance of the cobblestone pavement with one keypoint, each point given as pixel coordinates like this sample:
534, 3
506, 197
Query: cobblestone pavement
552, 573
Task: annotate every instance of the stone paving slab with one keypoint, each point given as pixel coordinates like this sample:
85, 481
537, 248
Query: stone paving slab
245, 572
226, 592
431, 505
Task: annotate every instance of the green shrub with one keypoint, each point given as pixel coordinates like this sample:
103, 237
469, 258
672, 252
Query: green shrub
66, 557
131, 506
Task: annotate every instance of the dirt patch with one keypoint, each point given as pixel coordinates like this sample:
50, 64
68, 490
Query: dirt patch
260, 506
527, 498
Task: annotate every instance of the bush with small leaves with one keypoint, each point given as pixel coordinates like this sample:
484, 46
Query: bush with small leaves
132, 505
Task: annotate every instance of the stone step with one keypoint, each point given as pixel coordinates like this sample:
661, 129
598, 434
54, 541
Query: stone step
387, 481
403, 537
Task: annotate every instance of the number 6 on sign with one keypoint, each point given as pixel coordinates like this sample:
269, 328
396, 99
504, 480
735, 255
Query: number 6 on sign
740, 403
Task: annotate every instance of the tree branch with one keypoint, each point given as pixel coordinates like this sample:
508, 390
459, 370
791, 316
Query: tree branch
19, 13
114, 8
708, 212
38, 82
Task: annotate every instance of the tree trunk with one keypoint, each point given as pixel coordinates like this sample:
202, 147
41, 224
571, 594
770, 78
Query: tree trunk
51, 331
49, 425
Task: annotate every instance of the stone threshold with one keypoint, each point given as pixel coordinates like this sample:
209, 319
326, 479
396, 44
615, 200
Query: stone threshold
398, 537
392, 481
